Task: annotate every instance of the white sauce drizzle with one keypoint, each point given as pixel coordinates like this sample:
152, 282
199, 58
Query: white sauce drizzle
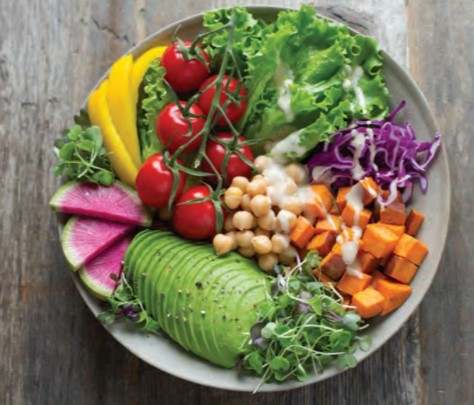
284, 100
283, 220
288, 146
352, 82
284, 80
321, 174
358, 142
350, 245
370, 136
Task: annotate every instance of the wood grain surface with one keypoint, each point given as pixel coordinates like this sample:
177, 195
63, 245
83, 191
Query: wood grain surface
53, 351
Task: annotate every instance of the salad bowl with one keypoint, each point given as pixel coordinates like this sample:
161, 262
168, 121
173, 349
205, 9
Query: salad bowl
160, 352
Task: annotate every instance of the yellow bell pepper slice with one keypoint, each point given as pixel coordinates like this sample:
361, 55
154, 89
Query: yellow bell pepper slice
122, 106
99, 115
141, 65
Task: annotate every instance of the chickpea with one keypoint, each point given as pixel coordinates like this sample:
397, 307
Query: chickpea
266, 180
245, 203
240, 182
244, 220
261, 163
288, 256
247, 251
286, 220
261, 231
257, 187
262, 244
290, 187
267, 261
222, 244
280, 243
233, 197
260, 205
244, 238
293, 204
233, 235
228, 223
267, 221
297, 172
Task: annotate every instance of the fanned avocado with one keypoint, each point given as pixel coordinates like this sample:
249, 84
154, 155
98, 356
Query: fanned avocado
204, 302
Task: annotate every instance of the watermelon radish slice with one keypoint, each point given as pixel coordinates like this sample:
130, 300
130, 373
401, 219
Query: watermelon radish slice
118, 203
102, 274
85, 238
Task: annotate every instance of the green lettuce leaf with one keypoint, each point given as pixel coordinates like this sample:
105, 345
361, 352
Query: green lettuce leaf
247, 36
154, 98
311, 77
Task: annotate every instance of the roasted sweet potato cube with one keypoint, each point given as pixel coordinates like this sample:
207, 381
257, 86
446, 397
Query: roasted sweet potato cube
411, 249
341, 197
395, 293
322, 277
377, 275
302, 232
393, 214
398, 230
378, 240
334, 209
351, 285
346, 300
322, 243
333, 266
331, 223
400, 269
322, 202
384, 195
349, 216
337, 248
302, 252
414, 221
371, 190
368, 263
384, 260
368, 302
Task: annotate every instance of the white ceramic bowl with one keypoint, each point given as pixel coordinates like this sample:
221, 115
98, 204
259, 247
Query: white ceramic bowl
161, 352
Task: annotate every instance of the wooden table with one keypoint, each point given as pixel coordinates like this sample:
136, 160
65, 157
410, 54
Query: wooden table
53, 351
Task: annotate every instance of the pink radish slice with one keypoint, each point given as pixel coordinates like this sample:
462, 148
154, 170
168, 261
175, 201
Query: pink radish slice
118, 203
102, 274
85, 238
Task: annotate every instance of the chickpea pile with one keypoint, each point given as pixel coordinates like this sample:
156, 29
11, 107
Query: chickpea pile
262, 219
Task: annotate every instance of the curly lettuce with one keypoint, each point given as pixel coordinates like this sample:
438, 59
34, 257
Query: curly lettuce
310, 77
154, 98
247, 37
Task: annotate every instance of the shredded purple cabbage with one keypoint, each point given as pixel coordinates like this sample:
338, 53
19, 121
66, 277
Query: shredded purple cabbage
386, 151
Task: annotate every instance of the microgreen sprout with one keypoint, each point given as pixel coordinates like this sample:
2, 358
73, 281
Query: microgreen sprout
82, 156
125, 305
301, 326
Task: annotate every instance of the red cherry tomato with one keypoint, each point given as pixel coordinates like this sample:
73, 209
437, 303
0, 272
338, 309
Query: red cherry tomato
235, 166
184, 75
195, 220
154, 182
174, 130
230, 85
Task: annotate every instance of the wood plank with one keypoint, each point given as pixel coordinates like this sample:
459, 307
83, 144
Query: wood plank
442, 62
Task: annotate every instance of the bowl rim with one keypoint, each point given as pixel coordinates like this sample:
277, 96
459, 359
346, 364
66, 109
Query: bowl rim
402, 313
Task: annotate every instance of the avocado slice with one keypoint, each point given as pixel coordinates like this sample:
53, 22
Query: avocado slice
204, 302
